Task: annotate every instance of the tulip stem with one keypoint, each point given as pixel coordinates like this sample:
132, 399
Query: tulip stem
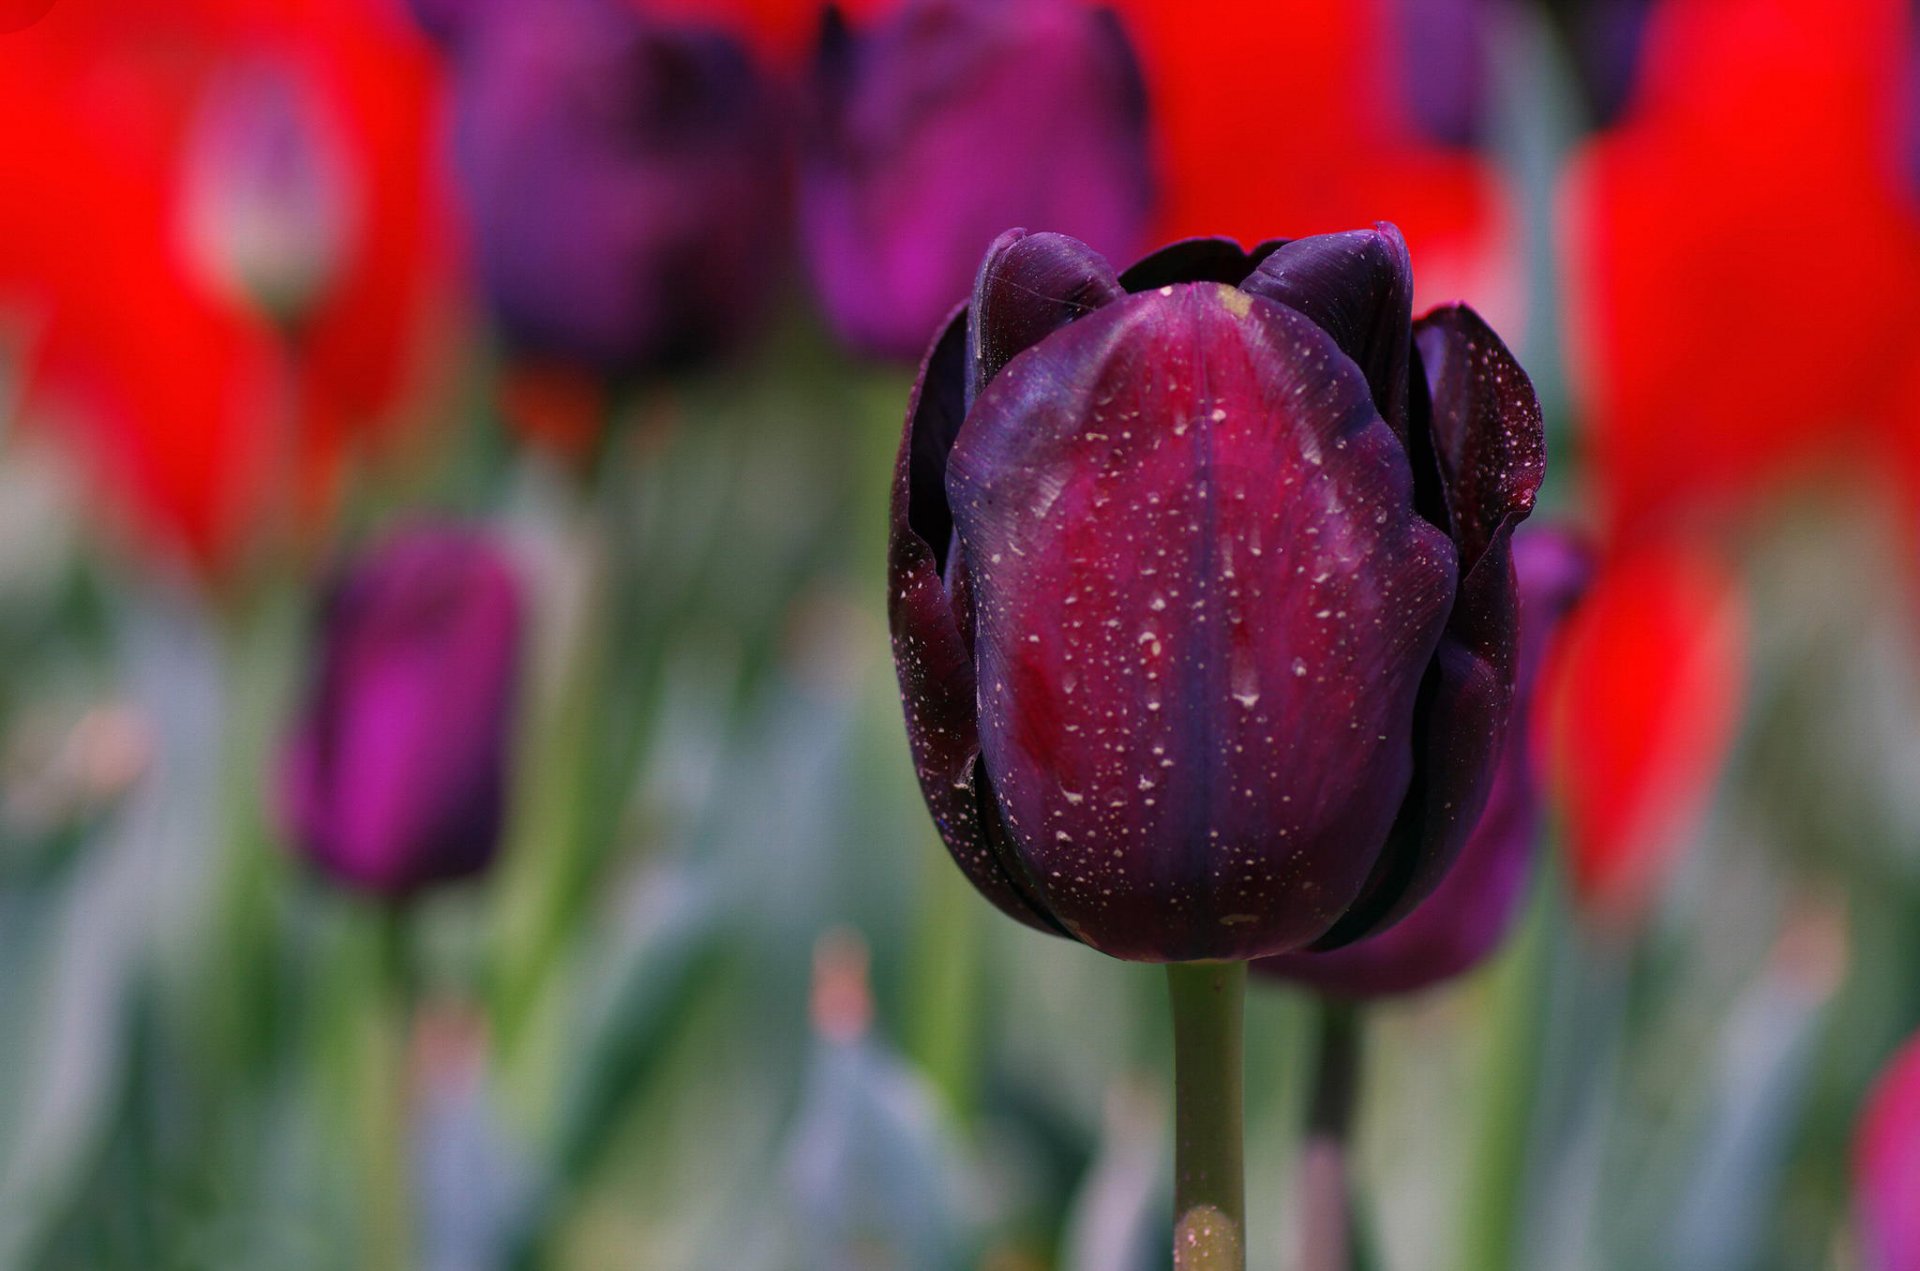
1326, 1210
1209, 1197
389, 1103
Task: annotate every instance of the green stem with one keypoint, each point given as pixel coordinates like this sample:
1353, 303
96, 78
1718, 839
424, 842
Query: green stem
1327, 1218
1209, 1196
389, 1101
942, 1029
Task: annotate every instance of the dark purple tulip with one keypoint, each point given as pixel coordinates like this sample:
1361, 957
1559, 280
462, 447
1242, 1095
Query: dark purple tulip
946, 124
1202, 591
1468, 914
395, 775
1446, 65
625, 179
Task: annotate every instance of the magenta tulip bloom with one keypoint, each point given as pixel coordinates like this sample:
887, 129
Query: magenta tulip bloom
395, 776
625, 178
1467, 916
1887, 1168
944, 125
1203, 601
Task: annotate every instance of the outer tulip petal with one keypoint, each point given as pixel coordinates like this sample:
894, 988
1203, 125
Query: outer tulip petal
1197, 260
1194, 691
930, 653
1490, 446
1359, 287
1030, 285
1469, 913
1487, 432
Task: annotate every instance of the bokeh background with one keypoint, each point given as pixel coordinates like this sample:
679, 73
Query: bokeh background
633, 290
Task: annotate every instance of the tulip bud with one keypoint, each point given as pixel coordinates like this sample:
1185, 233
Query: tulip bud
624, 179
944, 125
1468, 914
270, 201
1887, 1168
1202, 591
395, 776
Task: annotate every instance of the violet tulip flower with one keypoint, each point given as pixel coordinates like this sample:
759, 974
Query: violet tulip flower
395, 776
1468, 915
945, 124
1202, 594
1887, 1168
624, 176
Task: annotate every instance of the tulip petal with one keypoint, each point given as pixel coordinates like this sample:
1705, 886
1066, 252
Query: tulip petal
1196, 260
930, 654
1469, 913
1490, 447
1487, 432
1028, 286
1359, 287
1205, 606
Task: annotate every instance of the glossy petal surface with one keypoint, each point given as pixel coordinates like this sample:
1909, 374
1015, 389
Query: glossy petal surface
1359, 287
1468, 914
1204, 607
1030, 285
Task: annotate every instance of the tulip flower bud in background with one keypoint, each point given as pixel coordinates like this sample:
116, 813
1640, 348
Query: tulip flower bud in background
943, 125
1887, 1168
1201, 588
624, 178
1643, 703
1468, 915
395, 776
270, 203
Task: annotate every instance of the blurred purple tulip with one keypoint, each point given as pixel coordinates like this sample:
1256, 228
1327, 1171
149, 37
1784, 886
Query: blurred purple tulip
1445, 66
944, 125
1887, 1168
1468, 914
625, 178
1202, 591
395, 776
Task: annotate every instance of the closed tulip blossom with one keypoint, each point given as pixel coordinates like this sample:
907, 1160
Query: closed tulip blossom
944, 124
395, 776
1464, 920
1887, 1168
625, 179
1202, 593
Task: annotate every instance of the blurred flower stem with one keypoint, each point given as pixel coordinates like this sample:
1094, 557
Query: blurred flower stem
1494, 1192
1327, 1233
389, 1171
1209, 1196
942, 1031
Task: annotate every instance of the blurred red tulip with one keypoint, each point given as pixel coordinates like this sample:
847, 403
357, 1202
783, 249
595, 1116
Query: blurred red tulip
175, 385
1293, 113
1745, 251
1643, 702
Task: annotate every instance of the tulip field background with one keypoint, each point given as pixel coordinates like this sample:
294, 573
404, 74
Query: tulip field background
281, 278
